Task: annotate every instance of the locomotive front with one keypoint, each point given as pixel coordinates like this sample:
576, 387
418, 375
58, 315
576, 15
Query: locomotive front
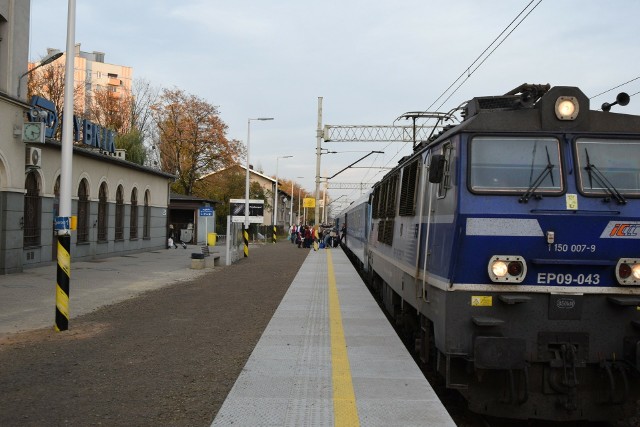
546, 266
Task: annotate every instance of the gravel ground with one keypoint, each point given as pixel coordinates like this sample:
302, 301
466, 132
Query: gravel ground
166, 358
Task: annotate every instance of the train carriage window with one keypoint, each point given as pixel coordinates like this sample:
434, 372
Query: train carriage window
608, 165
514, 164
408, 189
445, 184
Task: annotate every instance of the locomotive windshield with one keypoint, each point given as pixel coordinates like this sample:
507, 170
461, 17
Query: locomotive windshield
515, 165
609, 167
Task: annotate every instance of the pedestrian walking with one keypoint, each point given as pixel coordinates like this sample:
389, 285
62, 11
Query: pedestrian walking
307, 237
171, 238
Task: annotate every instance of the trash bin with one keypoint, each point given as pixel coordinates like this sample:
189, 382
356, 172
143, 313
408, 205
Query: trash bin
211, 239
197, 261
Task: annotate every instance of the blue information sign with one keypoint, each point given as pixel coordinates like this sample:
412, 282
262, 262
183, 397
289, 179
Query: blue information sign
62, 223
208, 211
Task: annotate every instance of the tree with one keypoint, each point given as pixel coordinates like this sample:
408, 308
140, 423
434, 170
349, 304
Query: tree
132, 142
48, 82
129, 115
111, 110
144, 96
192, 138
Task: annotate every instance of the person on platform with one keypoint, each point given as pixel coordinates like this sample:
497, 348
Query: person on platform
171, 238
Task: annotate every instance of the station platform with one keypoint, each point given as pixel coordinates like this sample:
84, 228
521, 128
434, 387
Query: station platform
329, 357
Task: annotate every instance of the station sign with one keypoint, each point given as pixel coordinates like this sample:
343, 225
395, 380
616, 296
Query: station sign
256, 210
206, 211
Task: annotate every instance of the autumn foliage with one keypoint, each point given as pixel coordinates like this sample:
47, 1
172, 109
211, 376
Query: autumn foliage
191, 138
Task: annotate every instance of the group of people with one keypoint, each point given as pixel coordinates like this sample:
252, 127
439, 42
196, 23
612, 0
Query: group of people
306, 237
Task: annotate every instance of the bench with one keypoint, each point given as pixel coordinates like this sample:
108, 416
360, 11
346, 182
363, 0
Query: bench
204, 259
207, 253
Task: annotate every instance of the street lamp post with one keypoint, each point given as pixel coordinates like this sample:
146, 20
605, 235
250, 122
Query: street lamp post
46, 60
291, 205
299, 194
246, 190
275, 199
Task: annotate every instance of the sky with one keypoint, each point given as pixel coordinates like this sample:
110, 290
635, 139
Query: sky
370, 61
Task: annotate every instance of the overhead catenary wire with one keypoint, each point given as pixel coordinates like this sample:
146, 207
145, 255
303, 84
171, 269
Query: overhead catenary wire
616, 87
509, 29
500, 39
466, 70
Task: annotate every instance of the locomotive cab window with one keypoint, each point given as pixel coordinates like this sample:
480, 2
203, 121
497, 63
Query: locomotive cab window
609, 167
515, 165
445, 183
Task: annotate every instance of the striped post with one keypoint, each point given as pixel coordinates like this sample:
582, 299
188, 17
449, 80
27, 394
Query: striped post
274, 234
62, 285
245, 237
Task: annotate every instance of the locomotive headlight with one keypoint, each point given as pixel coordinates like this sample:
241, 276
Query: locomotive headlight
507, 269
567, 108
628, 271
499, 268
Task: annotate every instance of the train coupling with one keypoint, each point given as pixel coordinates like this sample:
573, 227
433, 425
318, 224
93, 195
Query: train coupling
564, 379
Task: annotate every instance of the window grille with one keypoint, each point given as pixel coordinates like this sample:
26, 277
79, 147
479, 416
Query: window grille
103, 213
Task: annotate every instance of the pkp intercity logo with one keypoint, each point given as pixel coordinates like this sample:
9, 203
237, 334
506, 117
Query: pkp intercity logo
621, 230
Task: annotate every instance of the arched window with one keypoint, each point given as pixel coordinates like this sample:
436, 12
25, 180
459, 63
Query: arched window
32, 208
147, 215
133, 221
103, 212
119, 213
83, 212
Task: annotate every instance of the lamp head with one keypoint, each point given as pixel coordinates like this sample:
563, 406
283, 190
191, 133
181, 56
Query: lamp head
50, 58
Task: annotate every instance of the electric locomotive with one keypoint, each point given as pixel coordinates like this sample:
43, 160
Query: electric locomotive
508, 248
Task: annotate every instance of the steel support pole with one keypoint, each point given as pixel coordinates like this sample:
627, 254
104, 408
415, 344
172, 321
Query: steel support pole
245, 229
63, 275
318, 155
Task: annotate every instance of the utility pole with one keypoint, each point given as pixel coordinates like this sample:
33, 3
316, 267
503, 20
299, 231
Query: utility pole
319, 135
63, 271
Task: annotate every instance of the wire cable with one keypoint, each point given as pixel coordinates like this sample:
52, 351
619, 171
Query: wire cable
487, 48
482, 58
490, 53
616, 87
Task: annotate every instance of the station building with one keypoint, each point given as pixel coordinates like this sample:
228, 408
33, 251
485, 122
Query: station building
121, 207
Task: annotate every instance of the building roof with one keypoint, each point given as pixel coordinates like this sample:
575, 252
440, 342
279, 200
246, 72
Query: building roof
186, 198
253, 171
100, 155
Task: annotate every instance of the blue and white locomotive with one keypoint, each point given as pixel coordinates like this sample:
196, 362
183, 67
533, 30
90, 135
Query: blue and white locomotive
508, 248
